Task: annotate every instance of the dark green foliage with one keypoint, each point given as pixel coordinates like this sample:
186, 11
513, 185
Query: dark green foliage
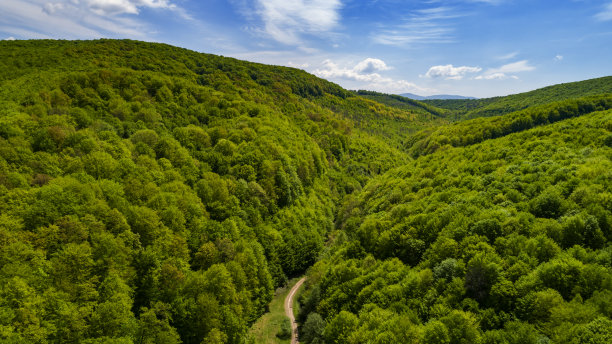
285, 329
548, 204
312, 330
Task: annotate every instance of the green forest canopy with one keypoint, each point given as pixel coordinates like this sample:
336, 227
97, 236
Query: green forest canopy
151, 194
496, 106
497, 240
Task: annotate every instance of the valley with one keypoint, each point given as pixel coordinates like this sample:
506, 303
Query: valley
153, 194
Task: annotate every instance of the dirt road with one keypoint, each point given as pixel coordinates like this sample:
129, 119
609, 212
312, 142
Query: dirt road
289, 310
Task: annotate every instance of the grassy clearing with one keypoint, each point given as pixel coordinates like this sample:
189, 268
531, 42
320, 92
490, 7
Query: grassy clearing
264, 330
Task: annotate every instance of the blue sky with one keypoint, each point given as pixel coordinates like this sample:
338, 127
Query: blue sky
473, 47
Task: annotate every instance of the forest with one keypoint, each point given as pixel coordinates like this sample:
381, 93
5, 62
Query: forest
473, 108
152, 194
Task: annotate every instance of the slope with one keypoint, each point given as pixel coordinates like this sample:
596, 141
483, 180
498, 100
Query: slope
154, 194
486, 107
403, 103
502, 241
469, 132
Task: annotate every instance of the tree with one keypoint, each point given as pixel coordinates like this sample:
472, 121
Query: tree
462, 327
548, 204
312, 330
340, 328
154, 326
435, 332
481, 274
285, 329
595, 332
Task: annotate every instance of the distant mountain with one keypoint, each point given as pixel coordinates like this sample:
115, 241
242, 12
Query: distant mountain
438, 96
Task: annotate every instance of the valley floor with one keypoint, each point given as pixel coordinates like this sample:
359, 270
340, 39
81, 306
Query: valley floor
264, 330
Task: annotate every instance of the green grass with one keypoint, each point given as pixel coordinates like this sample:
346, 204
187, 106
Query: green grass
264, 330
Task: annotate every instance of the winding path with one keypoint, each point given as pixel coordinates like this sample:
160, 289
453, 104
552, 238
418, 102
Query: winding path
289, 310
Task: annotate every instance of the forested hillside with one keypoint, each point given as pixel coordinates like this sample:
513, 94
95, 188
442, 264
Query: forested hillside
496, 106
495, 240
151, 194
478, 130
404, 103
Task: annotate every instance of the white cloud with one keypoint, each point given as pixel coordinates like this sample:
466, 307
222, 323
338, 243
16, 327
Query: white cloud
371, 65
496, 76
331, 70
559, 58
50, 8
508, 56
9, 39
432, 25
78, 19
450, 73
605, 14
365, 74
515, 67
106, 7
506, 71
286, 20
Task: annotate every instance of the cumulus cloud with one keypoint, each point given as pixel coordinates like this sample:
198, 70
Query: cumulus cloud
449, 72
371, 65
559, 58
506, 71
605, 14
364, 72
331, 70
9, 39
286, 20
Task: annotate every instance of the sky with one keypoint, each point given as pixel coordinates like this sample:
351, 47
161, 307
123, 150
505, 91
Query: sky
478, 48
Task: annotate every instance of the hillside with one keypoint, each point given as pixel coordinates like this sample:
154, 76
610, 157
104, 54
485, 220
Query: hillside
486, 107
404, 103
151, 194
505, 240
470, 132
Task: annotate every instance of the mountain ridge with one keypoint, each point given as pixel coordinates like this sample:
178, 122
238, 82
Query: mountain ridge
436, 96
495, 106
